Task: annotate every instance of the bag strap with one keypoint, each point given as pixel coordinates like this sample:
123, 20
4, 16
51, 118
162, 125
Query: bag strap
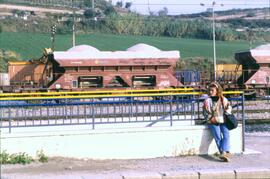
222, 103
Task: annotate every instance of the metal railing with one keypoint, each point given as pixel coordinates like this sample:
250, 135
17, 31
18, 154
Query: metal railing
94, 110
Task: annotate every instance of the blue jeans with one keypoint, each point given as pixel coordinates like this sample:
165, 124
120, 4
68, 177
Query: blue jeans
221, 135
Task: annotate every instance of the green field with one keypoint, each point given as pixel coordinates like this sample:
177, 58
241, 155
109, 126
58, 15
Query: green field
30, 45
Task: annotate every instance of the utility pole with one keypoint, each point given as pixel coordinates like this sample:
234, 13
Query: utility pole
73, 26
93, 10
53, 31
214, 41
213, 5
148, 8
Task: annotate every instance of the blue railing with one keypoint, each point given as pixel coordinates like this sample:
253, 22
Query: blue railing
93, 111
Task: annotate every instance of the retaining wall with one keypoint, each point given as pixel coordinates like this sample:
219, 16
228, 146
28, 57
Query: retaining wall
124, 142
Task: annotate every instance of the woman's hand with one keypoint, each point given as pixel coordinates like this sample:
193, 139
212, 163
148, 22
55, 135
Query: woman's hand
228, 109
213, 120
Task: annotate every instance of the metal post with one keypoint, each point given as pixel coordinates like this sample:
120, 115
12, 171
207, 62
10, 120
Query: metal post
73, 26
9, 120
53, 31
65, 108
193, 109
214, 35
243, 122
214, 41
131, 105
148, 5
93, 116
1, 121
1, 146
171, 123
149, 109
268, 87
93, 5
198, 108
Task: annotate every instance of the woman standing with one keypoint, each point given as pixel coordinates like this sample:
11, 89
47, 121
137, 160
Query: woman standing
213, 109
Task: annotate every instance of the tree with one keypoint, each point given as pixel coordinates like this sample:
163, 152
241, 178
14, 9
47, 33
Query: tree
87, 3
89, 13
128, 5
251, 14
151, 13
109, 10
119, 4
163, 12
5, 56
176, 28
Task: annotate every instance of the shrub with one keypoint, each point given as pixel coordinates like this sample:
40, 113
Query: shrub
89, 13
4, 157
42, 157
19, 158
251, 14
5, 56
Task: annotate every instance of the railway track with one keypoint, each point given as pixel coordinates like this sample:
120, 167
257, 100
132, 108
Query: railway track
257, 111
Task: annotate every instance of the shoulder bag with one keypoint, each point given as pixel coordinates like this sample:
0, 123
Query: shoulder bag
230, 120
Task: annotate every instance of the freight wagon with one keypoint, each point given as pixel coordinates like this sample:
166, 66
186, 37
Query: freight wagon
141, 66
84, 68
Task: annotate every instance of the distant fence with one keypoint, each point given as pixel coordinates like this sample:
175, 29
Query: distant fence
133, 108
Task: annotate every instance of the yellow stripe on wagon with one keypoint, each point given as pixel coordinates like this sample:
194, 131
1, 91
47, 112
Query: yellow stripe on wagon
96, 92
111, 95
99, 96
233, 92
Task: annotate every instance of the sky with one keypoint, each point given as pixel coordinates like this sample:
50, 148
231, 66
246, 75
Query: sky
192, 6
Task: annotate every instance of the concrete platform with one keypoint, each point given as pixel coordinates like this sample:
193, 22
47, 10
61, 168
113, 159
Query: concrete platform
124, 142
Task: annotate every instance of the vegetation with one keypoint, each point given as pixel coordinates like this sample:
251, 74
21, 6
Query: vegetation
105, 18
163, 25
42, 157
31, 45
252, 24
21, 158
131, 24
5, 56
96, 26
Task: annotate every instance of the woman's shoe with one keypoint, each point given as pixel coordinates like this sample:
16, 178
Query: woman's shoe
225, 156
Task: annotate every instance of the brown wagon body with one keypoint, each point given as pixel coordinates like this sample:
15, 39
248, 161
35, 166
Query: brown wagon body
256, 66
140, 66
84, 67
25, 73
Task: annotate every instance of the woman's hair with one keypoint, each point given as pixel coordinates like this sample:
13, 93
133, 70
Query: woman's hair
218, 87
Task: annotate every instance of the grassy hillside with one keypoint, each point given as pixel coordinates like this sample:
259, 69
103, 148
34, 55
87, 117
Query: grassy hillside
31, 45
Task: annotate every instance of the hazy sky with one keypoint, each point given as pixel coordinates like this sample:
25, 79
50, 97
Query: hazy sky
191, 6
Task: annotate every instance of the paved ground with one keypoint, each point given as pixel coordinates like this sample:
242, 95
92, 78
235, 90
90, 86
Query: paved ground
157, 167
